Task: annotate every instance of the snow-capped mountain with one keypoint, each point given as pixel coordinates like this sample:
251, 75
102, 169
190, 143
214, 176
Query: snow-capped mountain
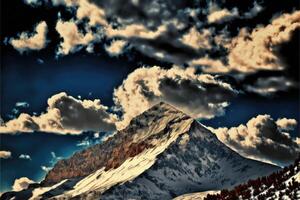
162, 154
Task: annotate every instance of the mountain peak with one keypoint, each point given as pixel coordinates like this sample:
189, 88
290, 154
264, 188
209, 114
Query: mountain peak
163, 153
151, 129
164, 107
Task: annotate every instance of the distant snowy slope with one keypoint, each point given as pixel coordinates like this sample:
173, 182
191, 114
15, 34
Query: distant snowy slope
195, 196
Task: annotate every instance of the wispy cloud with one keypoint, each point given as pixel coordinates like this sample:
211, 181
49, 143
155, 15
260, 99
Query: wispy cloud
25, 157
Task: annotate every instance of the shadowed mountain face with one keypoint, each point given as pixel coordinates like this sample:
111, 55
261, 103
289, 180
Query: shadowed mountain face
162, 154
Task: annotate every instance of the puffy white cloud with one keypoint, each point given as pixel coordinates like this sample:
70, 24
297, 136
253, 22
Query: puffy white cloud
65, 114
200, 96
25, 157
262, 138
116, 47
254, 51
90, 11
5, 154
85, 9
73, 39
286, 124
197, 39
217, 15
21, 184
31, 41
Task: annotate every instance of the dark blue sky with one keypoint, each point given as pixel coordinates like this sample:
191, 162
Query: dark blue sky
24, 79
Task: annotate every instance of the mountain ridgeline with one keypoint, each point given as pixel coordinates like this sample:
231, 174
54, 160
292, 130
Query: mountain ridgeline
162, 154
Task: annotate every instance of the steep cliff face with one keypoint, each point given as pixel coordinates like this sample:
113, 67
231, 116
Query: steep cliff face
162, 154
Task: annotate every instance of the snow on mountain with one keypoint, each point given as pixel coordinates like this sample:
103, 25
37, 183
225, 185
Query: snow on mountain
162, 154
281, 185
195, 196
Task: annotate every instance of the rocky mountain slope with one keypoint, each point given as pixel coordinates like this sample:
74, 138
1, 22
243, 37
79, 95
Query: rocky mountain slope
162, 154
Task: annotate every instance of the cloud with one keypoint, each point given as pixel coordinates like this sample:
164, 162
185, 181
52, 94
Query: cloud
217, 15
255, 51
22, 104
90, 11
253, 11
5, 154
262, 138
147, 36
73, 39
135, 31
270, 85
200, 96
84, 143
163, 30
116, 47
167, 31
33, 2
209, 65
85, 9
21, 184
31, 41
25, 157
24, 123
285, 124
149, 13
55, 157
196, 39
65, 114
46, 169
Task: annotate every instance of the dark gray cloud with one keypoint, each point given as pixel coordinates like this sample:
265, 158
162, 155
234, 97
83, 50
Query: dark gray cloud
151, 13
270, 85
200, 96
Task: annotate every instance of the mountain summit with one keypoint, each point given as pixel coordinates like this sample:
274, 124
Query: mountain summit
163, 153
